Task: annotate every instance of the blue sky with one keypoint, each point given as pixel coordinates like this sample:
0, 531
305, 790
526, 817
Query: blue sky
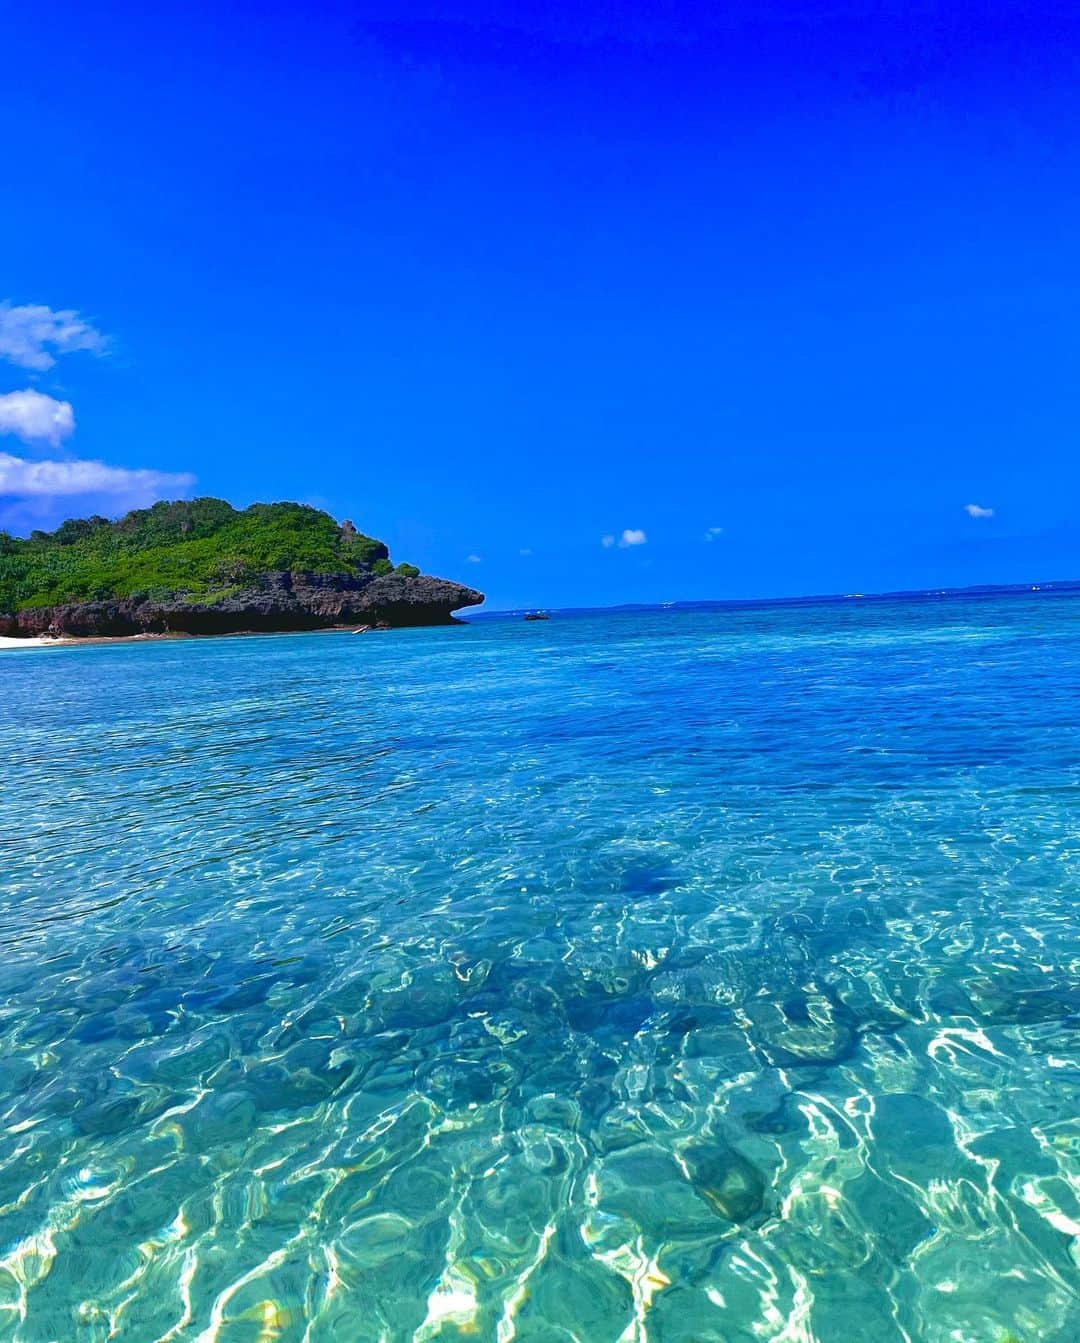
766, 293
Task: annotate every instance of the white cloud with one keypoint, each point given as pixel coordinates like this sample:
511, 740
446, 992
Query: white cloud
473, 559
33, 416
977, 511
630, 536
50, 480
525, 551
33, 335
713, 533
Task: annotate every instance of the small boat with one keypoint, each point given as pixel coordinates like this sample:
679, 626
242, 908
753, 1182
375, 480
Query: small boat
537, 615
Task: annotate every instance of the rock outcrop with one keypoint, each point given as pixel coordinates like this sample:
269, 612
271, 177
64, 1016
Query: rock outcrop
277, 601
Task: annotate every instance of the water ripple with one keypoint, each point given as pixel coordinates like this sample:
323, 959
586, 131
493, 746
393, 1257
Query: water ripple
655, 978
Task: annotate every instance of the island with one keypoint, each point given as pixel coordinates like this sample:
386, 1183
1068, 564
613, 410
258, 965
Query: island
200, 566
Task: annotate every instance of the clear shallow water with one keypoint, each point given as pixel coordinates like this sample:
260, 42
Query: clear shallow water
655, 977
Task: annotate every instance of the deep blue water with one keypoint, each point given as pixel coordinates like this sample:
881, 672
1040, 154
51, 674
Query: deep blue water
691, 975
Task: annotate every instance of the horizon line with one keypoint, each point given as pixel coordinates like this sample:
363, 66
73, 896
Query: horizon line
1054, 585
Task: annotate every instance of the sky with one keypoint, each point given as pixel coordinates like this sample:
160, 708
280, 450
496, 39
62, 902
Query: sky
580, 304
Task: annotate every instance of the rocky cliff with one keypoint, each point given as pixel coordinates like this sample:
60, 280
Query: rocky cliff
279, 601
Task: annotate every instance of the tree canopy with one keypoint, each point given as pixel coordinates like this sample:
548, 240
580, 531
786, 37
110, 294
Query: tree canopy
199, 549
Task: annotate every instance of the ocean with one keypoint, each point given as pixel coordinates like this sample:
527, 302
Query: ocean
667, 975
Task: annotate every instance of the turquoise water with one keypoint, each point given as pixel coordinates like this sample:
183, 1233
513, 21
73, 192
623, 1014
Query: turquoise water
671, 976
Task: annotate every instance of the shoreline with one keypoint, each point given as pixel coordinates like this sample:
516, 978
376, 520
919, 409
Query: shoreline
36, 641
172, 636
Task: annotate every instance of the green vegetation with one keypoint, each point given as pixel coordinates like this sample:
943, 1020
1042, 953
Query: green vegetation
199, 550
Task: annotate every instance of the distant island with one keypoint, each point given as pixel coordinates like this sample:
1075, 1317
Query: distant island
201, 566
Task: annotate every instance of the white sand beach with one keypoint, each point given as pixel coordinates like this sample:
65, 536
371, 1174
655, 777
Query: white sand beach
5, 642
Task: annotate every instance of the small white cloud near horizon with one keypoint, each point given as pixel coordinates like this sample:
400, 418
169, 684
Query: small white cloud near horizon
977, 511
28, 332
23, 479
35, 417
630, 536
713, 533
473, 559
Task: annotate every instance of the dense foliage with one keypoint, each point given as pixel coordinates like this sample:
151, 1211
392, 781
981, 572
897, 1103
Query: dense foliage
198, 549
